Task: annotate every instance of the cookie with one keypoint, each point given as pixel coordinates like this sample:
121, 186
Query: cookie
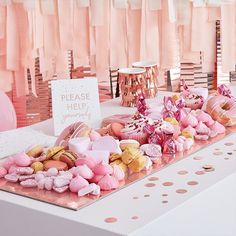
35, 151
129, 143
37, 166
54, 153
59, 165
69, 158
129, 155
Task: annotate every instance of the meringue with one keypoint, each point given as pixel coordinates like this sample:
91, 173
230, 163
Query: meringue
77, 183
108, 182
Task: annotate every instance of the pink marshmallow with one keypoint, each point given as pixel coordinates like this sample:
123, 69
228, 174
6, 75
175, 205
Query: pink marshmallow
90, 162
103, 169
98, 155
189, 120
106, 143
79, 145
96, 178
94, 135
203, 116
202, 129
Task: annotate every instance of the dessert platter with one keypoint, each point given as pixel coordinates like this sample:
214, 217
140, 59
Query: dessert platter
88, 164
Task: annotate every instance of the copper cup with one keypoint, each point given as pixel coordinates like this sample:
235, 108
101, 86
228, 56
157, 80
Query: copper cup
150, 82
131, 81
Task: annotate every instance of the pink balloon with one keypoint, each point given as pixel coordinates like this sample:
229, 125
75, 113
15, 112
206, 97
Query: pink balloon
7, 113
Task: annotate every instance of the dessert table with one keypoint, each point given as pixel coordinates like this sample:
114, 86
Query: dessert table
178, 200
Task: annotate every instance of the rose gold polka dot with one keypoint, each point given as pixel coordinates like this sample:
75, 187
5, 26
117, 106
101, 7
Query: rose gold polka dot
153, 178
164, 202
110, 220
146, 195
150, 185
229, 144
200, 172
134, 217
135, 197
192, 183
164, 195
209, 170
181, 191
217, 153
167, 184
182, 172
197, 158
217, 149
226, 158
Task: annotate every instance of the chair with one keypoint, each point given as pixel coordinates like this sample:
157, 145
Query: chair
114, 83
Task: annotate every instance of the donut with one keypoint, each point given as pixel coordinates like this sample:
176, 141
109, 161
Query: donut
78, 129
222, 109
194, 101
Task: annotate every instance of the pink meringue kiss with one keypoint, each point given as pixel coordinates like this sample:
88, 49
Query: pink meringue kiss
118, 172
103, 169
61, 189
203, 116
22, 159
190, 129
202, 129
78, 183
83, 170
86, 161
108, 182
96, 178
217, 127
12, 169
3, 172
90, 189
189, 120
203, 137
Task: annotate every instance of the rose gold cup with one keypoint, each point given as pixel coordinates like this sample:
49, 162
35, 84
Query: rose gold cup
131, 82
150, 82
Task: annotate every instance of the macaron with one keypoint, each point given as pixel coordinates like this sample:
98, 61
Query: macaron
54, 153
69, 158
59, 165
129, 143
116, 129
35, 151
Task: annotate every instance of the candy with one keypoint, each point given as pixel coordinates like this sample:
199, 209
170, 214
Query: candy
59, 165
37, 166
61, 189
3, 172
60, 181
128, 143
202, 129
29, 183
26, 177
41, 183
118, 172
24, 171
39, 176
55, 152
86, 190
12, 177
79, 144
137, 164
98, 155
102, 169
84, 171
48, 183
22, 159
77, 183
52, 172
153, 150
108, 183
35, 151
94, 135
169, 146
69, 158
8, 162
66, 174
90, 162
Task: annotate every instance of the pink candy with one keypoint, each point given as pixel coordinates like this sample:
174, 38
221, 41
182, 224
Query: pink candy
3, 172
60, 181
24, 171
108, 183
189, 120
78, 183
118, 173
12, 177
103, 169
29, 183
61, 189
90, 189
83, 171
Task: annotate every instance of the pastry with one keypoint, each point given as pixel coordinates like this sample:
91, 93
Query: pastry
78, 129
137, 164
35, 151
69, 158
129, 155
54, 153
59, 165
37, 166
128, 143
222, 109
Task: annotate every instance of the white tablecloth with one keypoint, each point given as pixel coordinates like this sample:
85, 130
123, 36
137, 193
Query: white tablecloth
207, 209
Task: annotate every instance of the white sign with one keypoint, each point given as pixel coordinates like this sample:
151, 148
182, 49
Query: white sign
75, 100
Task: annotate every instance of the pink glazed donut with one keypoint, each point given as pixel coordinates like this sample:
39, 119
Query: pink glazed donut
78, 129
222, 109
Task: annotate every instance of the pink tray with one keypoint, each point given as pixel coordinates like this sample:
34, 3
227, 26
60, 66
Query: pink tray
72, 201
